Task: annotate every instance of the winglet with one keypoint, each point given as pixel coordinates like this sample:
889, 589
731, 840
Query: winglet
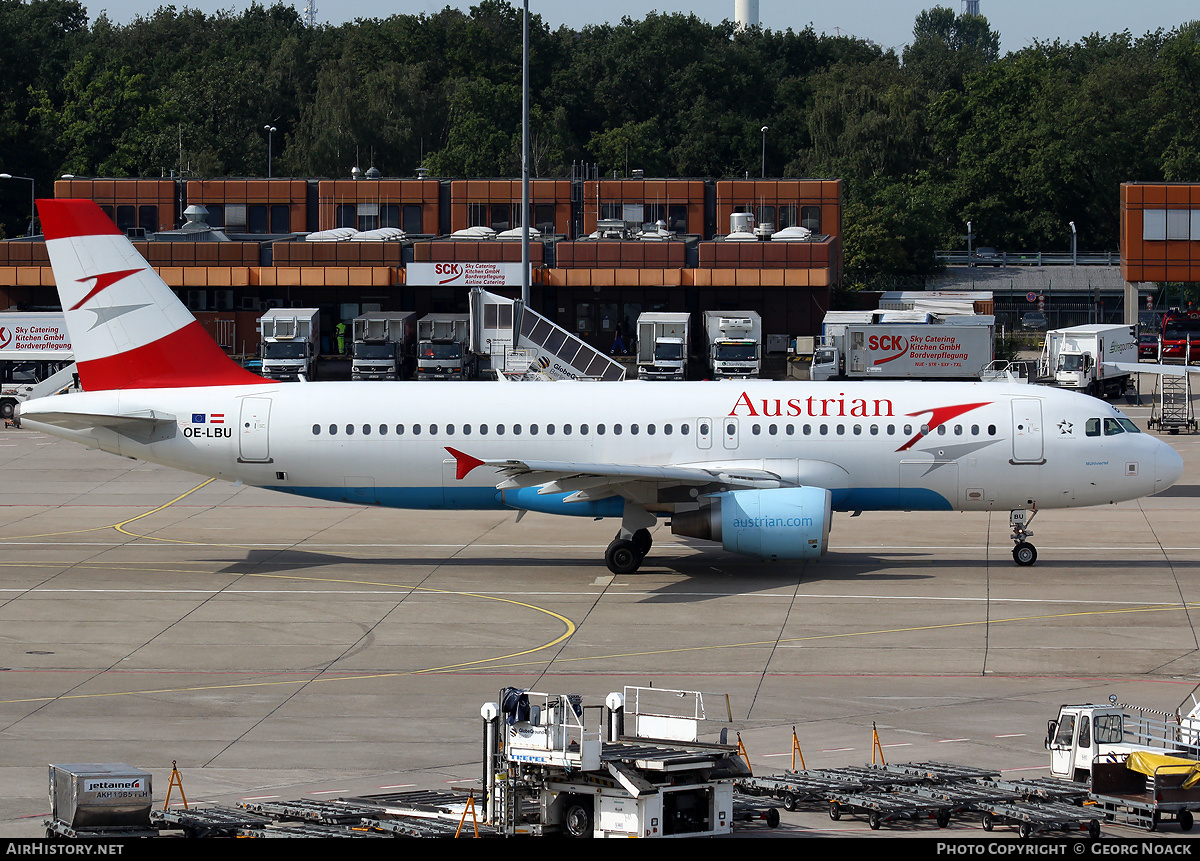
466, 462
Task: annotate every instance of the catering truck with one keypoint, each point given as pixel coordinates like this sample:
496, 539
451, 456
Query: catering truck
291, 340
735, 343
920, 351
34, 347
444, 347
662, 345
384, 343
634, 767
1076, 357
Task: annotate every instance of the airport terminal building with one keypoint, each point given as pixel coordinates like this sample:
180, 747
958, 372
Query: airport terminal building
602, 250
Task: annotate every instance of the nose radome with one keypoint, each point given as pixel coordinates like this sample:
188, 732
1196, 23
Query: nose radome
1168, 467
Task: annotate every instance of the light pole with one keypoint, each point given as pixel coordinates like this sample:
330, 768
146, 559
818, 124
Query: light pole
970, 236
764, 160
1074, 253
32, 210
270, 134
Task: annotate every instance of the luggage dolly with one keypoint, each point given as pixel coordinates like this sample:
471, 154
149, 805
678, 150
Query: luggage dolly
1040, 817
883, 807
748, 808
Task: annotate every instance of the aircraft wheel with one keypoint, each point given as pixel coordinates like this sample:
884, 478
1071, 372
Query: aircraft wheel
1024, 553
622, 557
642, 542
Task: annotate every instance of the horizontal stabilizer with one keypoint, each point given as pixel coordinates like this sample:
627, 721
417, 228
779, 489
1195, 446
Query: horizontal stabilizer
143, 419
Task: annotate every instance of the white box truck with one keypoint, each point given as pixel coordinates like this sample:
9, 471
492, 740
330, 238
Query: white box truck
291, 339
734, 343
1075, 357
662, 345
34, 346
444, 347
384, 342
921, 351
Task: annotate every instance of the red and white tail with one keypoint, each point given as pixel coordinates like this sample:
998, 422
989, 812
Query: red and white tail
128, 329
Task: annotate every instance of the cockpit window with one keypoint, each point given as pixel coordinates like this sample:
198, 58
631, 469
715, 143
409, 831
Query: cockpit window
1129, 426
1093, 427
1112, 427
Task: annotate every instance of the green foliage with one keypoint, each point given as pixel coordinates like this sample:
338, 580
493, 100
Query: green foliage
947, 131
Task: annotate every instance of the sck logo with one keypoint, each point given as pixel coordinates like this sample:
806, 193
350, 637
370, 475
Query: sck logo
898, 343
453, 270
5, 336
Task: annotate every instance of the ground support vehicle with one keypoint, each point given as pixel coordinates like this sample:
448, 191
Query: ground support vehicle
748, 808
291, 339
34, 345
383, 345
216, 821
554, 770
444, 347
662, 345
406, 814
735, 344
887, 805
1040, 817
1145, 801
1135, 762
1078, 358
916, 351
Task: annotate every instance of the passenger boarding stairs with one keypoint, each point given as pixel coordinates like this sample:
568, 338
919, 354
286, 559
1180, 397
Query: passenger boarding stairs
1172, 409
522, 344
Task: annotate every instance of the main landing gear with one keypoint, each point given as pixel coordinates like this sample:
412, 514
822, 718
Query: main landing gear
1019, 519
625, 555
626, 552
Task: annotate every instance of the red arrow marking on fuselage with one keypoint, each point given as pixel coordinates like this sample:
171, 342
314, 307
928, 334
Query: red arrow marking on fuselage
103, 280
939, 416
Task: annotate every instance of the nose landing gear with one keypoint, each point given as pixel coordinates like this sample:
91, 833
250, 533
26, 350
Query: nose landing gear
1019, 519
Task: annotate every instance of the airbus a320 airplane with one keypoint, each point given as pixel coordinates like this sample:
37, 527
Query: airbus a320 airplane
757, 466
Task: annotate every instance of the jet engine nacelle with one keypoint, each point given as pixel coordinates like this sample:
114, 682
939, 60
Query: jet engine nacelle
776, 523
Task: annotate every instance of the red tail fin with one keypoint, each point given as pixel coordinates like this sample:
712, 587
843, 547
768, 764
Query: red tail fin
128, 329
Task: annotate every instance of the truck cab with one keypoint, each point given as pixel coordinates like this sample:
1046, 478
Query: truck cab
1074, 370
826, 362
668, 360
1084, 735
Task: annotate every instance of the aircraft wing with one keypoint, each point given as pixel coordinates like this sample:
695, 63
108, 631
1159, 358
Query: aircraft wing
591, 480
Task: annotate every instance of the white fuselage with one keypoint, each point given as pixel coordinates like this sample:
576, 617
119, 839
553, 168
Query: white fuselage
907, 446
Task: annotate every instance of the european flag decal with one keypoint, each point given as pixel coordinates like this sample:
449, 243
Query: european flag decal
197, 418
